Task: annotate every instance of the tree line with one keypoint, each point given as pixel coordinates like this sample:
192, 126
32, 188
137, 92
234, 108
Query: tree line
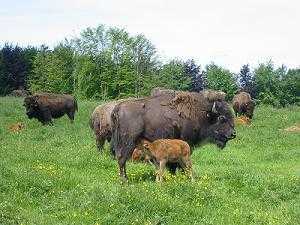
108, 63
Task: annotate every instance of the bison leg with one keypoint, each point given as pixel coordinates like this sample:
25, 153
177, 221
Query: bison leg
100, 142
71, 115
122, 167
46, 117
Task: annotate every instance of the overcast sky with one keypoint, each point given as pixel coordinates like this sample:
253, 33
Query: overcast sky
229, 32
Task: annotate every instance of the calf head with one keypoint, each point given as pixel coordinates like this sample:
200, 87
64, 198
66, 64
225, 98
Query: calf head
31, 106
221, 129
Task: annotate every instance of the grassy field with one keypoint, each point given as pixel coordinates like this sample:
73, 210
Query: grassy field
55, 175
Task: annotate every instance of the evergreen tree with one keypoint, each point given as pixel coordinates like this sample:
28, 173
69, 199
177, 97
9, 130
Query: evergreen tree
193, 71
246, 80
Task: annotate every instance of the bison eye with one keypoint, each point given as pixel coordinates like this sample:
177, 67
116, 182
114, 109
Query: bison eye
222, 119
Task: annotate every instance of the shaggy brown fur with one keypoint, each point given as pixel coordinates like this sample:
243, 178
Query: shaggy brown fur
163, 151
186, 116
243, 104
45, 106
100, 122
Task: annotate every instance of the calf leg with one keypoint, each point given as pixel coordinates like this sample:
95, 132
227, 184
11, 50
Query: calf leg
190, 169
162, 165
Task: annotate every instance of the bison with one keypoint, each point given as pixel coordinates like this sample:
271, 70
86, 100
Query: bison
100, 122
188, 116
45, 106
163, 151
243, 104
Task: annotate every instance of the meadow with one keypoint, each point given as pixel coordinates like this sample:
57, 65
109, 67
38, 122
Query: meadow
55, 175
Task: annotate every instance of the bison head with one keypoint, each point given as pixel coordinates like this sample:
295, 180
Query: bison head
222, 124
31, 106
249, 108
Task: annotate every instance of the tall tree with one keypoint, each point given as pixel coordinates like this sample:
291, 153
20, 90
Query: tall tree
246, 80
13, 68
193, 71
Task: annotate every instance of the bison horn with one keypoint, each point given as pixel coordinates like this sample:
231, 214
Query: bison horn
213, 109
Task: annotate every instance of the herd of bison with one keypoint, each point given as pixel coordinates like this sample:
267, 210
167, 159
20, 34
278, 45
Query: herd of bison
157, 129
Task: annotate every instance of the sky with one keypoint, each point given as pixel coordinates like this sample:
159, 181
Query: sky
229, 33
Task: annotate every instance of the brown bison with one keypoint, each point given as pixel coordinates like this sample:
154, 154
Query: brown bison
45, 106
163, 151
243, 104
186, 115
100, 122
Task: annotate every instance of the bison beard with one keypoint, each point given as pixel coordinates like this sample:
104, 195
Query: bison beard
187, 116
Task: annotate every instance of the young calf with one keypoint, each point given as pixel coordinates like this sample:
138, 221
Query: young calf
163, 151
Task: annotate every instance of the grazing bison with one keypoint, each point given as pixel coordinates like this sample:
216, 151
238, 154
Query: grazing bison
186, 115
243, 104
100, 122
45, 106
163, 151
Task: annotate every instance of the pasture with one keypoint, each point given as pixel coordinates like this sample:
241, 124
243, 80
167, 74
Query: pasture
55, 175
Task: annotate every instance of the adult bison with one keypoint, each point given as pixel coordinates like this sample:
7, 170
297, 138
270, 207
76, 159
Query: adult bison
45, 106
243, 104
100, 122
184, 115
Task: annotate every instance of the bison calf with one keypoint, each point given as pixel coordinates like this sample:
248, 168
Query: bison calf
163, 151
45, 106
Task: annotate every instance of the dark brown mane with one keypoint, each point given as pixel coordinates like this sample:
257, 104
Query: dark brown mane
190, 104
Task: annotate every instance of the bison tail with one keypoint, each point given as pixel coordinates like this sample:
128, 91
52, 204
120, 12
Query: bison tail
75, 104
91, 122
122, 142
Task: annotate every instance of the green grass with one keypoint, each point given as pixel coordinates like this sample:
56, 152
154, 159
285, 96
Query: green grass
55, 175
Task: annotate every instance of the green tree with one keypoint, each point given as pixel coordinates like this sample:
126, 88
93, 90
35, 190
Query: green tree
221, 79
172, 75
53, 70
111, 64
